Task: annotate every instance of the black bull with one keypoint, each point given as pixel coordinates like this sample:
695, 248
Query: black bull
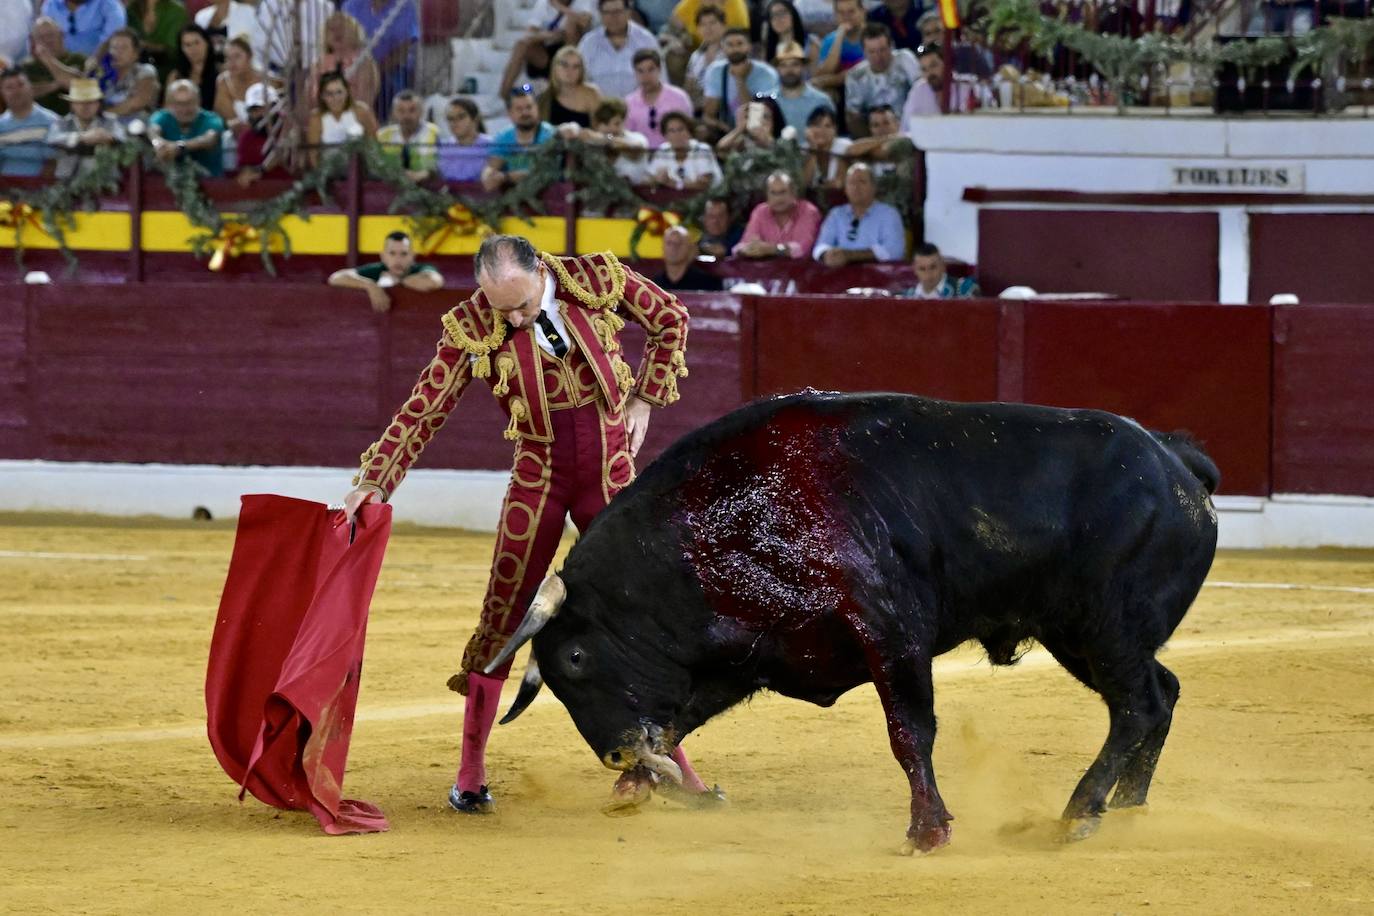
812, 543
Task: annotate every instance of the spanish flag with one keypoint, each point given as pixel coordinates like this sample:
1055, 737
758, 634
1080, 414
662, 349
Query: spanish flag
949, 13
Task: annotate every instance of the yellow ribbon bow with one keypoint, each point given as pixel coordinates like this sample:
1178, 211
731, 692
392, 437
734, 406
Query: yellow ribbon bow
461, 221
16, 215
657, 222
230, 243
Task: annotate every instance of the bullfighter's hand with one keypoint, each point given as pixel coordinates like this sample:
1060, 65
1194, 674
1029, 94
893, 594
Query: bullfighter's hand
636, 422
355, 499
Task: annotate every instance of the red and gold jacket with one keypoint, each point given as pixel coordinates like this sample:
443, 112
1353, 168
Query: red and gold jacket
592, 292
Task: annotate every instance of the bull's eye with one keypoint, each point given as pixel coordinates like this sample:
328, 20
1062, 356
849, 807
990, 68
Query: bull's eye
575, 661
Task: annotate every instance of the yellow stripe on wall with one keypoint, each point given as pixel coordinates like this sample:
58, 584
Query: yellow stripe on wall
600, 234
93, 232
323, 234
547, 234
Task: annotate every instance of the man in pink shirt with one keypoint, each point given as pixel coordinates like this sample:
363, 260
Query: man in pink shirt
782, 226
653, 99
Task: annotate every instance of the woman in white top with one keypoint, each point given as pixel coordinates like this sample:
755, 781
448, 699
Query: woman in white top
232, 84
337, 118
825, 163
681, 162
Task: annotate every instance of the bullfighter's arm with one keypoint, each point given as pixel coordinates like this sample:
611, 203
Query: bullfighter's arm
386, 461
665, 352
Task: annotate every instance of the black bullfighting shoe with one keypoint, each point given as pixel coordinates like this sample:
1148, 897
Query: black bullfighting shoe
479, 802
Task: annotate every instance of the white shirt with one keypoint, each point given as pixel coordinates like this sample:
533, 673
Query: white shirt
242, 20
612, 69
701, 160
549, 306
16, 18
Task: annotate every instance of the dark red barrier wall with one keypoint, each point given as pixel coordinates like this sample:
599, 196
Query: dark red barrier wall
1322, 257
1145, 255
1324, 399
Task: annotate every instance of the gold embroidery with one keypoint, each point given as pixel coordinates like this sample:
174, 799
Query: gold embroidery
364, 460
584, 295
505, 365
518, 412
678, 361
478, 347
624, 375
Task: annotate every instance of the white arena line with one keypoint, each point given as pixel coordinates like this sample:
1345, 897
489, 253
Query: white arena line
45, 555
945, 669
1293, 586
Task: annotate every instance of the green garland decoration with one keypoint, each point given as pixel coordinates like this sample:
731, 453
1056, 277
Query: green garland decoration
58, 202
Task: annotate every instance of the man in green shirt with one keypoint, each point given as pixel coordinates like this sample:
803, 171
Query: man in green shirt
183, 129
396, 268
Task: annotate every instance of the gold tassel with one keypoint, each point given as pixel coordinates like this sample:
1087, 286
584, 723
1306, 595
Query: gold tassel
678, 361
518, 412
624, 375
615, 321
505, 363
482, 367
604, 333
364, 460
670, 394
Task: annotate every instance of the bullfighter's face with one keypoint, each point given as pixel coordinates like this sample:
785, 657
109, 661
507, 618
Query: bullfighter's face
515, 294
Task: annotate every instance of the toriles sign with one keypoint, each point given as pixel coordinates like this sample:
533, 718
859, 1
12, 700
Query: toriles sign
1286, 177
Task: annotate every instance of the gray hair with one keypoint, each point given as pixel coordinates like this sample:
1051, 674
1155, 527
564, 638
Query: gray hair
783, 176
183, 85
497, 251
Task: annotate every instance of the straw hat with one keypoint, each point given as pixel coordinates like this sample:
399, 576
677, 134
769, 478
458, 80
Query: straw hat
84, 91
789, 51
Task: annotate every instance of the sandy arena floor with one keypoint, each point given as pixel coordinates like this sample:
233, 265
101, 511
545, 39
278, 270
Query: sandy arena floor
113, 802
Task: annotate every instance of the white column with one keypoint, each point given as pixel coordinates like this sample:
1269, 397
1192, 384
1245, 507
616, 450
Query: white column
1233, 256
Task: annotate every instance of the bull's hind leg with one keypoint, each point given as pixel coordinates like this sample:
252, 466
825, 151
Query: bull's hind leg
1139, 709
1134, 784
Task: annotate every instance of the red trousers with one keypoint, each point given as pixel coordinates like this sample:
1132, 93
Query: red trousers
576, 475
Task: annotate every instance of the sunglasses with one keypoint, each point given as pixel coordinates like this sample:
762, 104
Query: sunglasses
853, 229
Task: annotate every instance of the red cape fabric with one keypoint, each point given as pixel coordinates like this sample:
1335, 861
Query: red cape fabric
287, 654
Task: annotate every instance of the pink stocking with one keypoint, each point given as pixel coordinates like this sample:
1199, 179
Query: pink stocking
690, 780
484, 698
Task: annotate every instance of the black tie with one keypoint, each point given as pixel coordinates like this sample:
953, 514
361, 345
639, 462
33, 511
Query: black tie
560, 346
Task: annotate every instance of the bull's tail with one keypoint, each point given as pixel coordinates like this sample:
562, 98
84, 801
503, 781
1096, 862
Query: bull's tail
1190, 452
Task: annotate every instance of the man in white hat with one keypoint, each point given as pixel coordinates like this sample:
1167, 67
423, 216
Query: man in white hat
85, 129
257, 156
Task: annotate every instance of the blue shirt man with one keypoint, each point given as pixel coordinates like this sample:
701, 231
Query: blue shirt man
865, 229
511, 148
721, 83
86, 24
24, 127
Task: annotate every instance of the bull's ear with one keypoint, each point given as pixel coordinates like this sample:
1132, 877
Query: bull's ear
546, 603
529, 689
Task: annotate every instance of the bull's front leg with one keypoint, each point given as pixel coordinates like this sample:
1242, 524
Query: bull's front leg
908, 696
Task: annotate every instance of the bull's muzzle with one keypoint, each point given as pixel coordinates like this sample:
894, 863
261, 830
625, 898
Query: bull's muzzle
649, 750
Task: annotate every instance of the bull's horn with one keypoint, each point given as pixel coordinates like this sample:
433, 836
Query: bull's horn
546, 603
665, 767
529, 689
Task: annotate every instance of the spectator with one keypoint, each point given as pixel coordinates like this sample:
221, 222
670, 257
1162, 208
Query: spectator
196, 62
569, 98
842, 48
261, 112
884, 77
337, 117
825, 152
609, 50
291, 31
884, 144
626, 149
462, 158
510, 150
397, 267
683, 162
393, 47
865, 229
237, 77
77, 135
653, 14
924, 97
24, 150
345, 48
554, 24
796, 97
184, 129
711, 26
933, 281
719, 232
410, 141
903, 19
87, 24
735, 80
130, 87
932, 29
226, 19
16, 21
680, 270
46, 42
684, 16
783, 226
782, 26
758, 126
654, 99
158, 23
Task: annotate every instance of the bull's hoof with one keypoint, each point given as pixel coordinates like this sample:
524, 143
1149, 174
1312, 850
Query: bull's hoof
926, 840
1074, 829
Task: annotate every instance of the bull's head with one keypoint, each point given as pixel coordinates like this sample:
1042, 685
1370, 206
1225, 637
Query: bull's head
623, 693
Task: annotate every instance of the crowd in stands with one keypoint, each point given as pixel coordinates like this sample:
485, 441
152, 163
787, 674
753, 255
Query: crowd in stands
668, 89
